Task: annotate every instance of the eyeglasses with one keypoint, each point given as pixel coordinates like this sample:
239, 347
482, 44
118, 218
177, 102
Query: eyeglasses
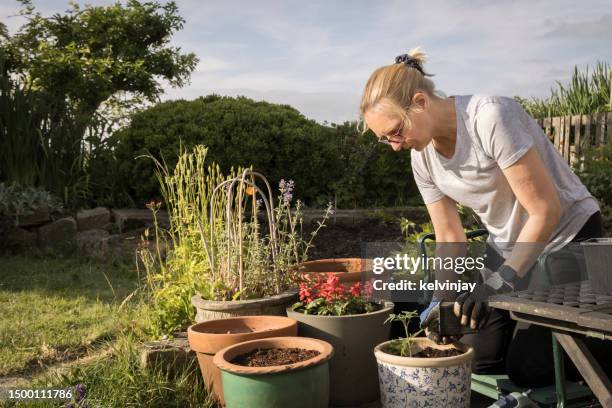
386, 139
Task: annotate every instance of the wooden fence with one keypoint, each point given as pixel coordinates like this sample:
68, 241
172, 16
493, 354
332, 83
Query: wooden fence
572, 134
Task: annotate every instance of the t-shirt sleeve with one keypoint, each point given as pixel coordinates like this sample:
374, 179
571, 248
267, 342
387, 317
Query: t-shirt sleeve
504, 130
428, 189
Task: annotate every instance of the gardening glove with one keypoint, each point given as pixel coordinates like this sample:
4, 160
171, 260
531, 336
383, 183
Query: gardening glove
430, 322
472, 307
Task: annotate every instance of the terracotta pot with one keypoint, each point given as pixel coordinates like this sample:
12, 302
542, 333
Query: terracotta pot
213, 309
424, 382
349, 270
299, 385
353, 374
209, 337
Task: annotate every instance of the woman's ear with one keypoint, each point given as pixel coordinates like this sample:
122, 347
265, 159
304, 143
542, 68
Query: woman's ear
420, 100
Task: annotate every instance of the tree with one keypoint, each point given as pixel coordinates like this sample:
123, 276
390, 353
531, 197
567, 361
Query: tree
89, 54
70, 63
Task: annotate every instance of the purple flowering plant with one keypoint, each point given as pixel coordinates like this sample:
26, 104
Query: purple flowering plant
253, 256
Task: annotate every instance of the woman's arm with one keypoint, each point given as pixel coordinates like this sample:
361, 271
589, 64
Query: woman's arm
534, 189
450, 241
446, 221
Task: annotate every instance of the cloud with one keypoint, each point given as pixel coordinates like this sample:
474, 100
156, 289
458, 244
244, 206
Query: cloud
313, 105
317, 55
592, 29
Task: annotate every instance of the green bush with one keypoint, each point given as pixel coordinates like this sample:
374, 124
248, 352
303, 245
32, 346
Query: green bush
327, 163
594, 170
372, 174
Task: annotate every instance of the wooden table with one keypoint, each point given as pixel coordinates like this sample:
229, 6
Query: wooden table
571, 311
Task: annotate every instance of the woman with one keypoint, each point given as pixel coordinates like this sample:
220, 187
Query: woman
488, 154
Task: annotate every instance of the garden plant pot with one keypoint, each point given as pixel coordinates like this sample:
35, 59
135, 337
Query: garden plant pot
424, 382
598, 256
349, 270
353, 373
209, 337
216, 309
299, 385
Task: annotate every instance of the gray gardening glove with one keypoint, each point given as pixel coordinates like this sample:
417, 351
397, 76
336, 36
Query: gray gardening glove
472, 307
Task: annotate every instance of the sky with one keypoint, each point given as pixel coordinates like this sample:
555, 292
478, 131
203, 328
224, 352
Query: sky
317, 55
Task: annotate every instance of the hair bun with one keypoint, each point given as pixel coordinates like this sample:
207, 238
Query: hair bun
412, 61
406, 59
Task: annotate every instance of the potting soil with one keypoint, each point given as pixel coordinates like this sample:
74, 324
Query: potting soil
430, 352
274, 357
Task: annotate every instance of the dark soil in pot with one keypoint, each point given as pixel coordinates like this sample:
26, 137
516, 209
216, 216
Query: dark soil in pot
428, 352
274, 357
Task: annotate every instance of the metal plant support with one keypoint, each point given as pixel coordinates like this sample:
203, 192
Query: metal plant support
234, 233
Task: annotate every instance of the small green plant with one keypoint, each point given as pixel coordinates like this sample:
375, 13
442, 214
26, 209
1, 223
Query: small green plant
16, 200
403, 347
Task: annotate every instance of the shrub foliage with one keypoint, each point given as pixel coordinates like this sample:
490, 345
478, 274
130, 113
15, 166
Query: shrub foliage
327, 163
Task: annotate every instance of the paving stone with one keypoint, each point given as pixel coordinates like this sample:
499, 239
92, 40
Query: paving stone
59, 235
129, 219
170, 356
20, 238
95, 218
94, 244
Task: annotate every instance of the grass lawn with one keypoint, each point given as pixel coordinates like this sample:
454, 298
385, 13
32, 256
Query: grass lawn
54, 309
58, 309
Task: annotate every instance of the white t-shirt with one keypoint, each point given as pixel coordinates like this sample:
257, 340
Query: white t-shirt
492, 134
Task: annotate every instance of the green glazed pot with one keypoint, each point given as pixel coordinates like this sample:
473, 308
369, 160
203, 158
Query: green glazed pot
299, 385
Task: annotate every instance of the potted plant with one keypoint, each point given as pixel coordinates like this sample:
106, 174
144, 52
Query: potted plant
252, 272
207, 338
415, 371
276, 372
223, 257
353, 324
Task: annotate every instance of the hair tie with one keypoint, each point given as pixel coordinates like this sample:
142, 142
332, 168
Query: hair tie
411, 62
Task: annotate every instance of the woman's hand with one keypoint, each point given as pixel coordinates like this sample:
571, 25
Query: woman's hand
472, 307
430, 322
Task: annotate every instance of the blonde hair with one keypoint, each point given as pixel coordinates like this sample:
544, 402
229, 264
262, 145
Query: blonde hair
392, 87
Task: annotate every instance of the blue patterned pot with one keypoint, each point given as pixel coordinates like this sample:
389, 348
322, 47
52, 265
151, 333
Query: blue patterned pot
424, 382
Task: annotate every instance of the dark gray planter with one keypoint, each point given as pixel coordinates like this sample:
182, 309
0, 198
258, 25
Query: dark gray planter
353, 370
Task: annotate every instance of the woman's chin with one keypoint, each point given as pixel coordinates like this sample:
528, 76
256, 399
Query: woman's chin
397, 146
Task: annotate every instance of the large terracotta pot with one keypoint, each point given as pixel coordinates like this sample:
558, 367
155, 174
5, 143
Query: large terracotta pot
353, 373
298, 385
209, 337
424, 382
215, 309
349, 270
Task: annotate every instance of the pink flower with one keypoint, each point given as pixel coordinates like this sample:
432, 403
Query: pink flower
305, 293
356, 289
368, 288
